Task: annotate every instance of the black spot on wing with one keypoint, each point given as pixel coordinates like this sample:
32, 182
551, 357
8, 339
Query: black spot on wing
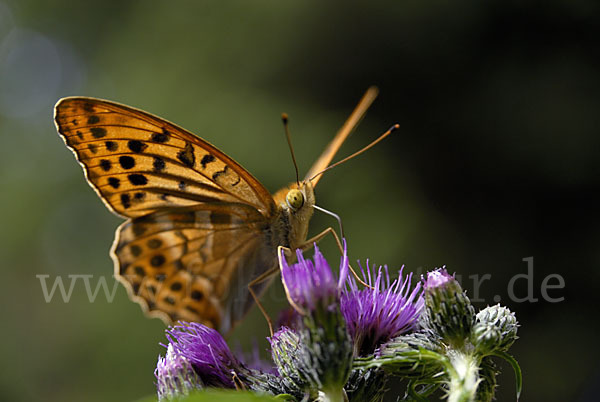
126, 162
186, 156
93, 119
136, 146
206, 159
135, 250
98, 132
158, 164
93, 148
138, 179
197, 295
157, 260
111, 145
114, 182
105, 165
125, 200
161, 137
219, 173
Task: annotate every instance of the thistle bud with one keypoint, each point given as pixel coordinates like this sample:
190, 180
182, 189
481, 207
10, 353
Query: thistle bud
175, 376
495, 329
449, 312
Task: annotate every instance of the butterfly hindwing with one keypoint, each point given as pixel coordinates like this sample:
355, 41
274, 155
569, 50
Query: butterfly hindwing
139, 163
193, 263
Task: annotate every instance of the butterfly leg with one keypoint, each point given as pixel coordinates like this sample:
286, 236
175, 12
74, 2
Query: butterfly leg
265, 276
315, 239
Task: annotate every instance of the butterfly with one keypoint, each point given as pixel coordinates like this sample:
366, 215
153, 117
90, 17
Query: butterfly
199, 227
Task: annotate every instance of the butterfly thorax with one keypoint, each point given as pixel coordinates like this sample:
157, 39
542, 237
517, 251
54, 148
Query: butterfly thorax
296, 203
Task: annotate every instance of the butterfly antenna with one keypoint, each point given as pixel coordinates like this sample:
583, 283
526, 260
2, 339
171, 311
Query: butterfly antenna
336, 216
284, 118
346, 159
355, 117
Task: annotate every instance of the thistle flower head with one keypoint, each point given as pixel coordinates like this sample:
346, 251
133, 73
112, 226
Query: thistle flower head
384, 310
311, 283
206, 350
312, 289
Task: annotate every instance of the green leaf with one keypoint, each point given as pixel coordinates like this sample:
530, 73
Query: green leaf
515, 365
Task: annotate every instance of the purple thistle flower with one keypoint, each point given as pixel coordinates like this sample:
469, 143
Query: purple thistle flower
206, 351
324, 361
377, 314
309, 284
437, 278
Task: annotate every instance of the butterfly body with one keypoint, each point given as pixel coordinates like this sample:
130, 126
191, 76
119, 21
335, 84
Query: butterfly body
199, 227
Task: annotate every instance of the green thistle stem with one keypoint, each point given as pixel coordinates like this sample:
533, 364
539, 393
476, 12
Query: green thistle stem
464, 377
332, 395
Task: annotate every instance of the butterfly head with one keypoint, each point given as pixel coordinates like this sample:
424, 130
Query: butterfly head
299, 197
296, 201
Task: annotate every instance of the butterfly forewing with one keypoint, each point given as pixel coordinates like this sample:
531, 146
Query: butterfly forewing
139, 163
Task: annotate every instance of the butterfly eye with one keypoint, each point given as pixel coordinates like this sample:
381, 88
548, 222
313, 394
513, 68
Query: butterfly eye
294, 199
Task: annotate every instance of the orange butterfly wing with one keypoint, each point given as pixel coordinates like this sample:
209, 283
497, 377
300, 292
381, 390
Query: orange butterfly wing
200, 224
139, 163
194, 263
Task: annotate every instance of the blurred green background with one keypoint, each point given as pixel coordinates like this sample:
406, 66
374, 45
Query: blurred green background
496, 161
